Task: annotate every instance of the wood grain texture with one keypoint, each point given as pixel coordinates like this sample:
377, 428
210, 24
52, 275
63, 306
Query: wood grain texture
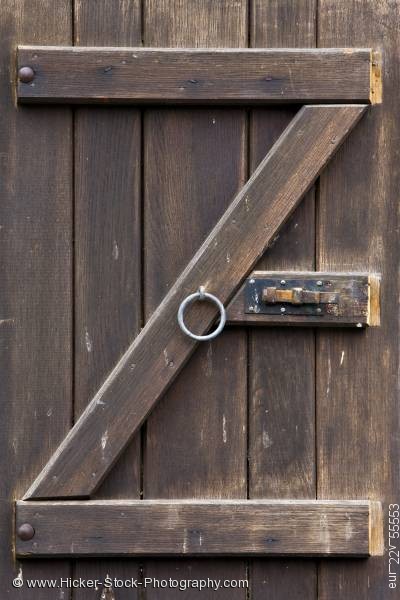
353, 295
195, 23
281, 372
184, 76
357, 376
35, 291
201, 528
195, 444
107, 253
103, 23
255, 215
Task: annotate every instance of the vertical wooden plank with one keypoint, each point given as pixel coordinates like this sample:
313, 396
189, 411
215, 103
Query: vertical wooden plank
107, 253
196, 438
36, 277
357, 375
281, 379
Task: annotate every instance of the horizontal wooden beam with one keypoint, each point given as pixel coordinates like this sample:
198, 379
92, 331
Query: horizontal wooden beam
198, 528
355, 300
174, 75
228, 254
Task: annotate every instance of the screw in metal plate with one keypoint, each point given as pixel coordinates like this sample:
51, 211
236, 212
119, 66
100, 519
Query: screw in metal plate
359, 325
26, 74
25, 532
319, 282
252, 281
283, 310
283, 282
319, 310
251, 308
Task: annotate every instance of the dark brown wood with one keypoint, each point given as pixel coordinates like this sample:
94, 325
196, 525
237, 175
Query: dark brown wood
353, 300
200, 75
281, 361
35, 290
196, 438
221, 264
107, 240
196, 528
357, 376
107, 254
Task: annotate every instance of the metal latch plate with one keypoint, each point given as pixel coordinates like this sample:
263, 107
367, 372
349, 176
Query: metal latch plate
319, 295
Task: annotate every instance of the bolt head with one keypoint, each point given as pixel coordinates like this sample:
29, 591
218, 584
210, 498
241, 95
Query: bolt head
25, 532
283, 310
319, 310
252, 281
319, 282
283, 282
251, 308
26, 74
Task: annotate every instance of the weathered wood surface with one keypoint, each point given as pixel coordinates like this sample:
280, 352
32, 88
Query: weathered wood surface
195, 442
178, 75
196, 528
160, 350
35, 291
108, 242
357, 376
357, 303
282, 437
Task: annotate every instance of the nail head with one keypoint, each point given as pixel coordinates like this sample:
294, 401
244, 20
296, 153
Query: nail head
26, 532
26, 74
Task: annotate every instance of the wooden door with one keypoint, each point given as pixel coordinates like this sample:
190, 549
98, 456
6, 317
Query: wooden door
103, 207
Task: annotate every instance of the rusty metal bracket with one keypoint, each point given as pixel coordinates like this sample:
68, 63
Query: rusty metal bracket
293, 296
307, 298
298, 295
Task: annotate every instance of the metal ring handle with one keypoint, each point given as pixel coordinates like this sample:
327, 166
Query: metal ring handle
201, 295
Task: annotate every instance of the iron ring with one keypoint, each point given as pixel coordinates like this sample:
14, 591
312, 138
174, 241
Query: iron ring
201, 295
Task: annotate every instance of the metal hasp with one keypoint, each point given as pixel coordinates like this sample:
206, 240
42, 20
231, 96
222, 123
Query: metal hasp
336, 298
298, 295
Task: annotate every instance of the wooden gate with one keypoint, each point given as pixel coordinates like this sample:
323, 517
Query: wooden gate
198, 147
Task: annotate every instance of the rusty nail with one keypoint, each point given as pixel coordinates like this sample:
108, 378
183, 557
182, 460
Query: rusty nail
25, 532
26, 74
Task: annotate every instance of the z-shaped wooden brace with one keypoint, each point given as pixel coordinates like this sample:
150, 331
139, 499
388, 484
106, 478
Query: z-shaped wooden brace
228, 254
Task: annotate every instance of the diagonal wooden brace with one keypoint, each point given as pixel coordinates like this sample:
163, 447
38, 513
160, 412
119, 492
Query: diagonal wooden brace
229, 253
